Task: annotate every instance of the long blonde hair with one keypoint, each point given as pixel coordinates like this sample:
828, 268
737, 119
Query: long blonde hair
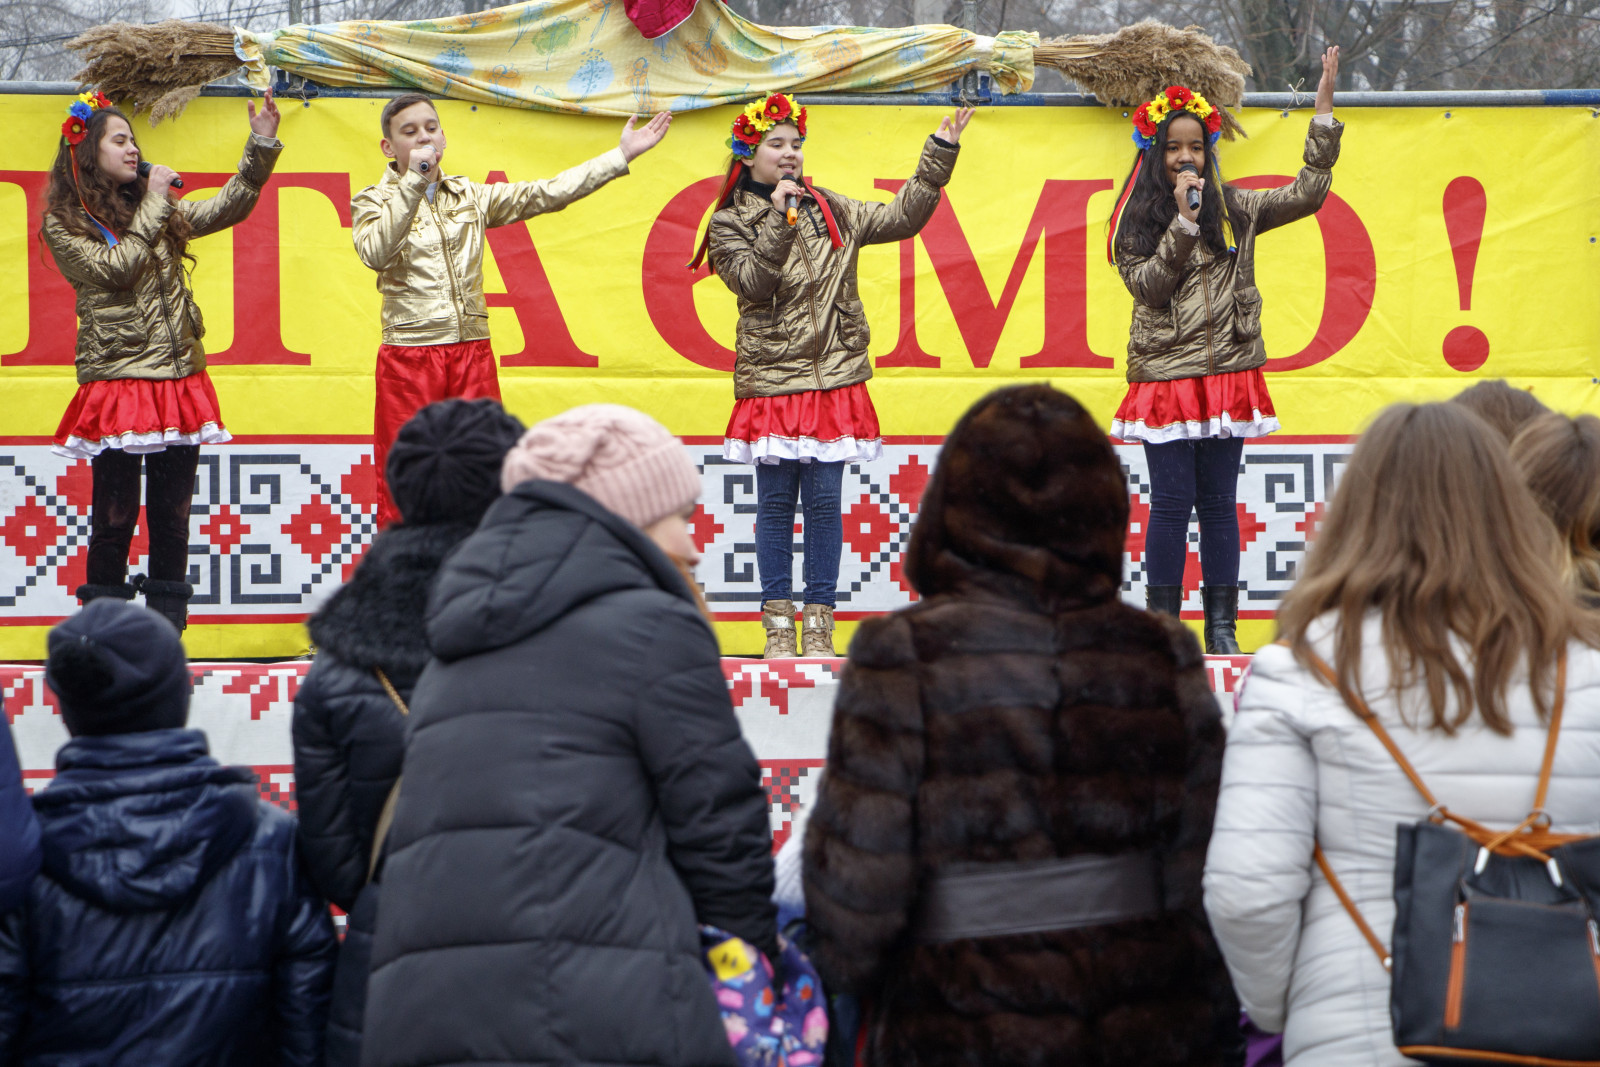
1560, 459
1432, 528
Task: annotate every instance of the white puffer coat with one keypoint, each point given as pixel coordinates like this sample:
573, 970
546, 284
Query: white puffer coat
1301, 766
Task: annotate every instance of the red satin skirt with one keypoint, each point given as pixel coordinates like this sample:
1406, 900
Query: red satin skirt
140, 415
828, 426
1216, 405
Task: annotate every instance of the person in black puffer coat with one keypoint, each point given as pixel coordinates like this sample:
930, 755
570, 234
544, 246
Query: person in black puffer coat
1005, 853
171, 923
349, 735
577, 793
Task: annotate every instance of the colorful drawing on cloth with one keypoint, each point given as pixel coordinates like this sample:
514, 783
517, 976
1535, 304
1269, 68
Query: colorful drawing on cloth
481, 57
774, 1017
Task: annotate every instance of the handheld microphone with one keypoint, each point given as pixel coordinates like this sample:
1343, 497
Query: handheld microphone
793, 214
144, 172
1194, 194
423, 166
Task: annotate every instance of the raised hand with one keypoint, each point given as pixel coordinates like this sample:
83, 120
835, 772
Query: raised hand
1330, 76
636, 143
264, 122
950, 128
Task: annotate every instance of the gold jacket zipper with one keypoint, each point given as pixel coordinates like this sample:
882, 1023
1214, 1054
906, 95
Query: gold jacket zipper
450, 267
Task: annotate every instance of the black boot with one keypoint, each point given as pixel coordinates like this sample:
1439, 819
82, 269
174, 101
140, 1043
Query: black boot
1164, 599
170, 600
87, 592
1222, 609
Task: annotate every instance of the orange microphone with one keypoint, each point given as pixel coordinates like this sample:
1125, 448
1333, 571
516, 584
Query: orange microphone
793, 214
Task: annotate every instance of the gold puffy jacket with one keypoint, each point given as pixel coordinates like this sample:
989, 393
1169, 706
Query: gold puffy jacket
136, 316
1196, 313
801, 325
429, 256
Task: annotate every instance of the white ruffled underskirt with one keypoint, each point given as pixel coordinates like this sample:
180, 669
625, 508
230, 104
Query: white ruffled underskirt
1221, 426
141, 444
771, 449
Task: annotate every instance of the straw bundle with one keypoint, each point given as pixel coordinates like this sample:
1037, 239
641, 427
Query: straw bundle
1131, 66
160, 67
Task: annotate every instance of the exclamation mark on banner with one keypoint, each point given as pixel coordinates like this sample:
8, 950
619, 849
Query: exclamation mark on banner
1465, 205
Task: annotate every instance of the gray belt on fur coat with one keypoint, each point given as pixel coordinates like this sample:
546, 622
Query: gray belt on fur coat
995, 900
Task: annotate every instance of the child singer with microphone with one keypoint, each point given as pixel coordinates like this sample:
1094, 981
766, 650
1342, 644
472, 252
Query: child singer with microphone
422, 231
144, 398
801, 411
1184, 244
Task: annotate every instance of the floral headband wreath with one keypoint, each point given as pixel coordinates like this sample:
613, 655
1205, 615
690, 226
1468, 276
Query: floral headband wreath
79, 113
759, 116
750, 127
1147, 120
73, 131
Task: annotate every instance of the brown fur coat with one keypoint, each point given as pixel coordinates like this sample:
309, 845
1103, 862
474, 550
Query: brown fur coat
1021, 712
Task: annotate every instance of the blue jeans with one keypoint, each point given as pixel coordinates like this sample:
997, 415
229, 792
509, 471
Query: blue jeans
1199, 475
816, 487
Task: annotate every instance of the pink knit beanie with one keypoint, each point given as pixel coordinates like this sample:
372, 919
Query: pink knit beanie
623, 458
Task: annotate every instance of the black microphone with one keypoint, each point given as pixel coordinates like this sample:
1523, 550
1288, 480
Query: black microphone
1194, 194
793, 204
144, 172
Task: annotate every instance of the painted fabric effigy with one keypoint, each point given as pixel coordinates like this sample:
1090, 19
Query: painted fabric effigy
584, 56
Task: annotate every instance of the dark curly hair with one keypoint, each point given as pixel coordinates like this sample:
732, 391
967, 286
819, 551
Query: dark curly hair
113, 203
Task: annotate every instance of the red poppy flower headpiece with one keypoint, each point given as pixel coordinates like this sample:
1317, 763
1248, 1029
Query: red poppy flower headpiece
759, 116
79, 112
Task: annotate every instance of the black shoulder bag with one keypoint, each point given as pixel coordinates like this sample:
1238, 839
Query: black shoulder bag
1496, 955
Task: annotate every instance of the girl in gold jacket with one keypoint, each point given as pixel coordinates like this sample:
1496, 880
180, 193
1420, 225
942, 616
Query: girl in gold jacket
1184, 244
144, 399
801, 411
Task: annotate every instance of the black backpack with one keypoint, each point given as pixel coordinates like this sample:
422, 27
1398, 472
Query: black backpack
1496, 950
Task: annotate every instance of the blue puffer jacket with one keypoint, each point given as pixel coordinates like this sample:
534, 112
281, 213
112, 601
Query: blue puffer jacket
19, 830
171, 923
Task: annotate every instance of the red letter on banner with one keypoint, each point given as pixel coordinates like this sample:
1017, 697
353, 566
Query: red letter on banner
257, 276
1351, 277
52, 305
669, 284
257, 308
546, 341
1061, 219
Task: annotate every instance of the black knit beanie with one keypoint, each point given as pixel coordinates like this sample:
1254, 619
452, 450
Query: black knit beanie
445, 463
118, 668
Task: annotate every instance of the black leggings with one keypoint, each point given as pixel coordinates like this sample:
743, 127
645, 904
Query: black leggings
169, 490
1186, 476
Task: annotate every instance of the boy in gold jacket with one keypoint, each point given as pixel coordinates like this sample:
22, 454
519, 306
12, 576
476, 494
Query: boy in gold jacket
423, 231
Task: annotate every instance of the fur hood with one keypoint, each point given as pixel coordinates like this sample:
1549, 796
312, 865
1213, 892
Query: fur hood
378, 618
1028, 503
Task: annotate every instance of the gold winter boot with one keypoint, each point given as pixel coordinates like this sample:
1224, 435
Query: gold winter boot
816, 632
778, 618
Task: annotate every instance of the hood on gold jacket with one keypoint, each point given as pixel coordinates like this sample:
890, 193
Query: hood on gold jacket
1197, 313
801, 324
136, 316
429, 254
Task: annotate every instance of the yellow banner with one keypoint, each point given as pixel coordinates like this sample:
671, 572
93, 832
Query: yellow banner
1456, 245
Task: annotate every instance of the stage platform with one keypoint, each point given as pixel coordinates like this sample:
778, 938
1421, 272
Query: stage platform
785, 707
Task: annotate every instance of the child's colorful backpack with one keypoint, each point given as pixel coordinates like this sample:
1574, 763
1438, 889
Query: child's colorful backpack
774, 1018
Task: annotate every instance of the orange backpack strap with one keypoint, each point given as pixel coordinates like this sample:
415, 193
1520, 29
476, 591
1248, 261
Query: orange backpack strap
1526, 839
1365, 714
1350, 906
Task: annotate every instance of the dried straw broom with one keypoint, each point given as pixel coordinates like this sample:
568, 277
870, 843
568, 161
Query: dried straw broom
1131, 66
160, 67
